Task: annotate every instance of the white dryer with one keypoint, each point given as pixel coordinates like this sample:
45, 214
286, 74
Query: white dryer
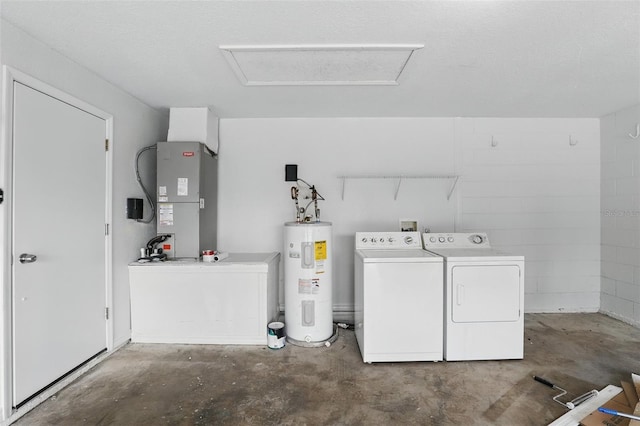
484, 298
398, 298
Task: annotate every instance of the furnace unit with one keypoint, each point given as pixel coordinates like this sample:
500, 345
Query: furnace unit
187, 198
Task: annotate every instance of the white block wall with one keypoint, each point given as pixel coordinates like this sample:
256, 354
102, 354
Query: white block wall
533, 193
620, 215
537, 195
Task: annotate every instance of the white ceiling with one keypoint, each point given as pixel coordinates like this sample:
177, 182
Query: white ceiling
480, 58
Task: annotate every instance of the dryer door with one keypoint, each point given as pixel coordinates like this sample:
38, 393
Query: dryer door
485, 293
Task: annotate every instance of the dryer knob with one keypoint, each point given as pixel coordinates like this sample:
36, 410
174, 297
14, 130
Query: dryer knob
433, 239
408, 240
441, 239
450, 239
390, 239
477, 239
364, 240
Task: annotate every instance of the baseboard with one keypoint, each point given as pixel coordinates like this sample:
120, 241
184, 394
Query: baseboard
622, 318
118, 343
587, 310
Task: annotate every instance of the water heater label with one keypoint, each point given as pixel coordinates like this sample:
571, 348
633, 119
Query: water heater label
183, 187
306, 286
188, 154
165, 214
321, 250
162, 190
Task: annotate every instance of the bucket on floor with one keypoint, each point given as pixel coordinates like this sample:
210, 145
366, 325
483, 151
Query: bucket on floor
275, 335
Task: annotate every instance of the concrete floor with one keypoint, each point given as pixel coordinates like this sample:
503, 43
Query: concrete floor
144, 384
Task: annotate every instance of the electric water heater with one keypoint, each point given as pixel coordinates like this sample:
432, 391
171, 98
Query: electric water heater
308, 281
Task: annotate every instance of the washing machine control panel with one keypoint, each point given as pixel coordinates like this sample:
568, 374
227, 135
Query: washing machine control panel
388, 240
455, 240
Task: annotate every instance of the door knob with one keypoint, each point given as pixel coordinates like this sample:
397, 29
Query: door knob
27, 258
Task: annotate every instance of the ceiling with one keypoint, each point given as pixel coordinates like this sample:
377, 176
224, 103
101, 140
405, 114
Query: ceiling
480, 58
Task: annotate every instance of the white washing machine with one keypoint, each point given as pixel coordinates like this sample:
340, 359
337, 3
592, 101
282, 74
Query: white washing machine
484, 298
398, 298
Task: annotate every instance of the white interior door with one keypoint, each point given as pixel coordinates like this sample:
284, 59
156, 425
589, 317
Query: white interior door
59, 196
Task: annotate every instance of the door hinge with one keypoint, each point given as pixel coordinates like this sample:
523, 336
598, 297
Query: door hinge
106, 144
106, 313
106, 229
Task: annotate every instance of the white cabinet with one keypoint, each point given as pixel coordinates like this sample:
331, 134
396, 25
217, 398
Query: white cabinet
226, 302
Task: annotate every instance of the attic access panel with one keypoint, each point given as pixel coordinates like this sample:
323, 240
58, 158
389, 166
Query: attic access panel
300, 65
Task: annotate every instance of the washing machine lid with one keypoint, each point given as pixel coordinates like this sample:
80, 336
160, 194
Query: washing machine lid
396, 256
476, 255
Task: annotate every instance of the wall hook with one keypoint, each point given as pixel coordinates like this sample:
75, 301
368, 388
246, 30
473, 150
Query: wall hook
637, 135
572, 142
494, 142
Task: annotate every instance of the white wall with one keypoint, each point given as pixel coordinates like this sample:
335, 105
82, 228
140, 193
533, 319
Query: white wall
255, 200
621, 215
135, 125
536, 195
533, 193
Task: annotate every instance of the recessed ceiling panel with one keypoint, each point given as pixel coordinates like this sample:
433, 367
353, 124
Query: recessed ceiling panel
319, 64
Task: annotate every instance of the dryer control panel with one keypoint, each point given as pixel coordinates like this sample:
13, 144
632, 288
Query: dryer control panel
456, 240
388, 240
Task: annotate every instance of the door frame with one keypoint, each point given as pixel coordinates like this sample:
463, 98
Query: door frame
9, 77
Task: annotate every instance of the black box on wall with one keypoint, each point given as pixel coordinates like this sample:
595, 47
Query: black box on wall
291, 173
134, 208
